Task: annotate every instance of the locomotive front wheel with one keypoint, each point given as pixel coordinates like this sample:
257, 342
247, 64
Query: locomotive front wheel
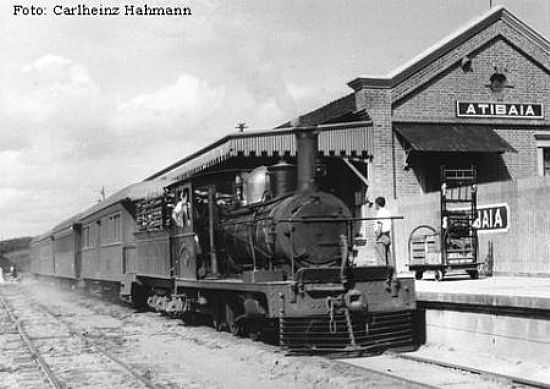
218, 325
474, 274
439, 275
235, 329
254, 330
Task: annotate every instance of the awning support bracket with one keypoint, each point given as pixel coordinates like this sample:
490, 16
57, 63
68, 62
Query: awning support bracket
357, 172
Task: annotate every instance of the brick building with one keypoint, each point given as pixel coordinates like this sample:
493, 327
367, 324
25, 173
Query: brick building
476, 97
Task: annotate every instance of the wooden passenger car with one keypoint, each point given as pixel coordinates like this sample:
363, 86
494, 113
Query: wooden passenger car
95, 245
107, 233
65, 239
42, 262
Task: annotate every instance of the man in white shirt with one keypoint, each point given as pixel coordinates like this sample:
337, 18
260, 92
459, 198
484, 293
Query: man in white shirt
382, 230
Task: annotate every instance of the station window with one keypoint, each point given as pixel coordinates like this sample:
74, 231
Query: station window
543, 154
546, 161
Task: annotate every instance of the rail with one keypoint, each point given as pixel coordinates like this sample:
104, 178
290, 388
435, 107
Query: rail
52, 378
35, 355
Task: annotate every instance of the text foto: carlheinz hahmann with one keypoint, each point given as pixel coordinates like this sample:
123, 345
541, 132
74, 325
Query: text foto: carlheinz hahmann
100, 10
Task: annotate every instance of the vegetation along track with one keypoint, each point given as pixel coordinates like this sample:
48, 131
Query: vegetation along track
40, 349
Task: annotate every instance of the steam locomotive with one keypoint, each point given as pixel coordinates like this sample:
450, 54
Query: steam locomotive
252, 250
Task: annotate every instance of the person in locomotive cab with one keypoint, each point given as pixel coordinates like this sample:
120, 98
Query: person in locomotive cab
180, 213
382, 230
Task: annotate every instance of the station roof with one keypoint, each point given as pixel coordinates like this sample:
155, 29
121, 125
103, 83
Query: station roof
343, 139
429, 137
451, 42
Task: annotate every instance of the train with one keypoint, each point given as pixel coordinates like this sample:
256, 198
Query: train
253, 250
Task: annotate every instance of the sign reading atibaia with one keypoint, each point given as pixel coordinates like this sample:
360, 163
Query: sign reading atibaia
494, 218
499, 110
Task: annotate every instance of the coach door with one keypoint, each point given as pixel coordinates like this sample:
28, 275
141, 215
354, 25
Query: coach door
182, 240
77, 231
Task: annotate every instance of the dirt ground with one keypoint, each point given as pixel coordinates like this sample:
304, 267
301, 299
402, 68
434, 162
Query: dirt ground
172, 355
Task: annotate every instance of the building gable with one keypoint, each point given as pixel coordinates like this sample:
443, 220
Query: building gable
527, 81
453, 49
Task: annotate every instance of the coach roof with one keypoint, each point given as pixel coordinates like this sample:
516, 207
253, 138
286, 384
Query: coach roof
133, 192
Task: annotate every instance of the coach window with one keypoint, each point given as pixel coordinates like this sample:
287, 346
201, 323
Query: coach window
110, 229
115, 225
543, 154
104, 228
87, 235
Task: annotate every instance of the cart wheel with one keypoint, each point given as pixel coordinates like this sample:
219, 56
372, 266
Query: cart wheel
474, 274
418, 274
439, 274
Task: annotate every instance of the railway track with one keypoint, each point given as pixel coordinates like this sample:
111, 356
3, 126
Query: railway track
432, 373
45, 350
61, 351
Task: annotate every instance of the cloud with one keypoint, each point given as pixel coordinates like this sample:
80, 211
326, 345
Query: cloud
64, 136
172, 108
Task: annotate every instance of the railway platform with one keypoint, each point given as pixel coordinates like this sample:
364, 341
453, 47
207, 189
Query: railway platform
505, 319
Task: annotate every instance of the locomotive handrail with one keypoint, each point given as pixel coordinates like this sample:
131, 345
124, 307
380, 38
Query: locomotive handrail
335, 220
313, 219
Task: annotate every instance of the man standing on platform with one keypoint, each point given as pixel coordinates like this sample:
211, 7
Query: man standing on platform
382, 230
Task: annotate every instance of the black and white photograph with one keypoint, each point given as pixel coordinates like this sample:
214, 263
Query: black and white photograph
273, 194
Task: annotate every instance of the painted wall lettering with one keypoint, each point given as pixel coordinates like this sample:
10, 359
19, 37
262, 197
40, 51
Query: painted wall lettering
494, 218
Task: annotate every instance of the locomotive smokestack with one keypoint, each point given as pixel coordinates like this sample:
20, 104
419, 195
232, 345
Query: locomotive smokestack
307, 148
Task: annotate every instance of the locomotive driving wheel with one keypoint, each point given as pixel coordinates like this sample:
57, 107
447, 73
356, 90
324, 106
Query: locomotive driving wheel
254, 329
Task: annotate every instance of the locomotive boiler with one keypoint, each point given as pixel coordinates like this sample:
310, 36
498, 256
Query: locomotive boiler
267, 237
287, 222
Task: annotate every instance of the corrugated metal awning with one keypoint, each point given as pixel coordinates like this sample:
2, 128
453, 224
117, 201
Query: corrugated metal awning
428, 137
351, 139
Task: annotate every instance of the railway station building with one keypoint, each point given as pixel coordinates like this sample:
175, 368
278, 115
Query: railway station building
479, 97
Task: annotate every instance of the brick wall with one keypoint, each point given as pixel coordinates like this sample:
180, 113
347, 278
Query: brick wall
524, 162
437, 99
377, 102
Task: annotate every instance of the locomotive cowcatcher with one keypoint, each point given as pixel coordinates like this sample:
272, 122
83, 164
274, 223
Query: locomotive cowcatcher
263, 248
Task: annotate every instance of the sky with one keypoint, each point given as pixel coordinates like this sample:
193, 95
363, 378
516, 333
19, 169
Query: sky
92, 102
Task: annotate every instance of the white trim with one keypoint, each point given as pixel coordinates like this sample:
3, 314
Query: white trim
438, 45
